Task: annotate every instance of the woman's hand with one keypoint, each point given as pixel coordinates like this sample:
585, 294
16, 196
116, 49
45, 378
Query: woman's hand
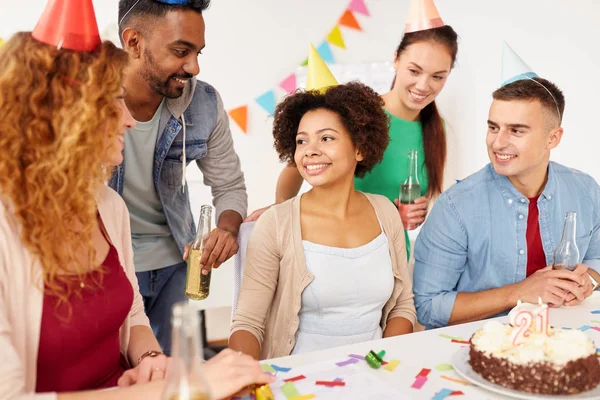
230, 371
148, 370
413, 215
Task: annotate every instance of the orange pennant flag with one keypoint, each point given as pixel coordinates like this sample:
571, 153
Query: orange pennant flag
240, 116
349, 20
335, 37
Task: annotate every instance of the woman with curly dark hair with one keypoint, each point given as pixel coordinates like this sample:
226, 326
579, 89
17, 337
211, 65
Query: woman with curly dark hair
327, 268
423, 60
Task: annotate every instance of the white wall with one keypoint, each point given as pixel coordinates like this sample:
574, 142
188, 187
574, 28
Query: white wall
253, 45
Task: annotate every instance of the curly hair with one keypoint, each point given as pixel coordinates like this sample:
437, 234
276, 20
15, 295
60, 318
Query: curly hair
57, 110
359, 108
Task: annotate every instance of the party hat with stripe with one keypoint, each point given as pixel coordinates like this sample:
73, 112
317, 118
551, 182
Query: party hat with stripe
422, 15
513, 67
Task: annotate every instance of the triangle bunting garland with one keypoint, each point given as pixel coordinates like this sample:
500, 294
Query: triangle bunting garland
240, 116
359, 7
268, 100
349, 21
335, 37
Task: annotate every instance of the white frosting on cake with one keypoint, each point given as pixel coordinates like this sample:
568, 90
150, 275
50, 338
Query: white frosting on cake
558, 348
565, 346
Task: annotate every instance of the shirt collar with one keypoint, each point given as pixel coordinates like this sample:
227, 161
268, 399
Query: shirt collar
511, 194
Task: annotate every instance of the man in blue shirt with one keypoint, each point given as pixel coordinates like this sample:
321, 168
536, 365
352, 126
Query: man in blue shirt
479, 251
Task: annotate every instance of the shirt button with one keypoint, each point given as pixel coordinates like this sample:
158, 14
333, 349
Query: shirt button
521, 251
523, 200
521, 216
509, 201
549, 197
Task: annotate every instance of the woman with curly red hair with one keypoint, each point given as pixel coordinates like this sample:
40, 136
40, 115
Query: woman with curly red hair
71, 316
327, 268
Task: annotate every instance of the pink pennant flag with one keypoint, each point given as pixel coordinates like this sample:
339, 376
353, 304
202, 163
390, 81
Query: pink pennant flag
359, 7
289, 83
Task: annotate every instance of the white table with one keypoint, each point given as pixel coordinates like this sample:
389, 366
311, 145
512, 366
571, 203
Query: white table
427, 349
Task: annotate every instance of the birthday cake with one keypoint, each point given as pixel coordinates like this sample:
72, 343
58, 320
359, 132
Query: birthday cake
535, 358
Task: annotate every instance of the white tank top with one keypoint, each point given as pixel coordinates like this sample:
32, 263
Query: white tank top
344, 302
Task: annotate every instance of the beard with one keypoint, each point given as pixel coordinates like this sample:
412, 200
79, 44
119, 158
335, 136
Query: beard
150, 72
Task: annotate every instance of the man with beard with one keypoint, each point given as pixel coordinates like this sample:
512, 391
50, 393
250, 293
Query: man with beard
179, 119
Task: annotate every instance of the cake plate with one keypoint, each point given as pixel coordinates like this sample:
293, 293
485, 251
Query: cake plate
460, 362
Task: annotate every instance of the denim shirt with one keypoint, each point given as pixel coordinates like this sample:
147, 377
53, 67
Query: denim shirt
474, 238
208, 142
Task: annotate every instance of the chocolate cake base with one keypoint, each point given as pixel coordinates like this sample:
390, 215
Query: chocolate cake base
575, 377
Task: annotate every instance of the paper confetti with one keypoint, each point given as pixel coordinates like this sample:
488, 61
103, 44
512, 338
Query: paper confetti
347, 362
267, 368
356, 356
443, 367
596, 312
424, 372
460, 341
584, 328
459, 338
391, 365
595, 321
280, 369
290, 391
596, 328
419, 382
454, 380
305, 397
442, 394
330, 383
295, 378
457, 393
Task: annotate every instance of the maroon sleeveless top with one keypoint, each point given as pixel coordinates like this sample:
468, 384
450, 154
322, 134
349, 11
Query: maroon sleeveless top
82, 352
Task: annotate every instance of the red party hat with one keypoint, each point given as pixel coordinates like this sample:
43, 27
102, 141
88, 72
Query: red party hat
68, 24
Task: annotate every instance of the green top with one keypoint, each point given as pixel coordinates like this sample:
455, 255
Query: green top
386, 177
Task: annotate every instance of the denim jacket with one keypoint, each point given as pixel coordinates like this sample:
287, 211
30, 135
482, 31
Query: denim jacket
474, 239
208, 141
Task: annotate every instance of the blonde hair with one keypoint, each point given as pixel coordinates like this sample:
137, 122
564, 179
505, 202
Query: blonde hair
57, 110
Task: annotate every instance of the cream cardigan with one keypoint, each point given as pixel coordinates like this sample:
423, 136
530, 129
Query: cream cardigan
21, 299
275, 275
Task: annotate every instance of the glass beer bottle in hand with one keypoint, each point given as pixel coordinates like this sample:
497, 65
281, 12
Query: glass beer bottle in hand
197, 285
411, 188
566, 255
186, 379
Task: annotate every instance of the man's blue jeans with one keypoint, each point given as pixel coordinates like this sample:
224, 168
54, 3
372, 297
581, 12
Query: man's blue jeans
161, 289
